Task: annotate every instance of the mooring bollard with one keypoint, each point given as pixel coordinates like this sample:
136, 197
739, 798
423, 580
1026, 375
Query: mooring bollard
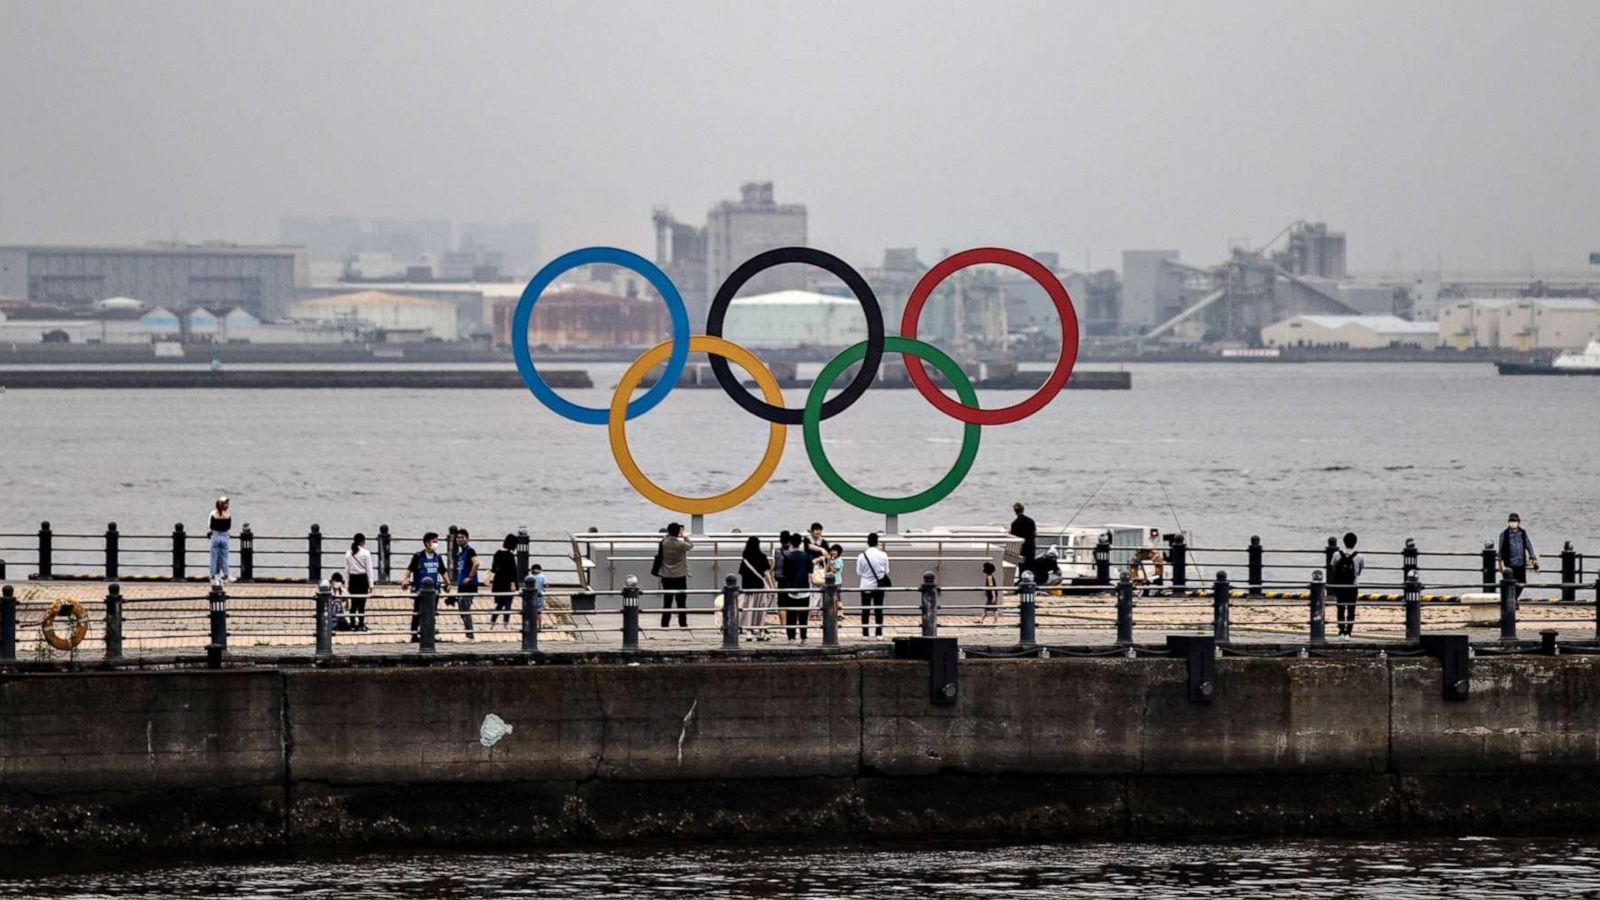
113, 541
314, 554
1178, 553
1508, 607
217, 600
1317, 591
247, 553
830, 611
524, 553
113, 621
427, 616
1026, 610
1102, 560
530, 614
930, 606
1253, 555
1408, 558
324, 605
630, 613
1125, 610
385, 557
1547, 642
46, 550
8, 625
180, 551
1219, 608
730, 612
1413, 597
1489, 577
1569, 574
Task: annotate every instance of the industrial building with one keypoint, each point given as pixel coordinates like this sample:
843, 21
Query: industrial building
39, 324
795, 319
1351, 333
1472, 324
698, 260
1531, 323
260, 279
391, 317
579, 318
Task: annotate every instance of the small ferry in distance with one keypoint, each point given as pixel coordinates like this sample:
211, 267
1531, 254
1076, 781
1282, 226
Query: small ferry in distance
1568, 363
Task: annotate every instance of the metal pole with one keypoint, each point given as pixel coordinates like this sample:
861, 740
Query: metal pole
730, 612
1319, 609
324, 625
384, 557
1219, 608
46, 540
314, 554
113, 621
1408, 558
630, 613
217, 600
1179, 552
530, 612
428, 598
1489, 577
8, 625
179, 551
1597, 607
1508, 607
930, 606
524, 554
830, 613
247, 553
1569, 574
1125, 610
1253, 556
1102, 560
1026, 611
112, 546
1413, 596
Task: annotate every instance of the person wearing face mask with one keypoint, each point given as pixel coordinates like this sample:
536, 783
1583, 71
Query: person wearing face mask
1516, 552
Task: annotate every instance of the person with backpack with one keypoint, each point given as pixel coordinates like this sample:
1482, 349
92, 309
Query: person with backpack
1515, 551
426, 565
1344, 571
672, 567
872, 571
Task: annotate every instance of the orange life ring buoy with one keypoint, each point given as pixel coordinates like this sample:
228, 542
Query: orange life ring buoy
80, 624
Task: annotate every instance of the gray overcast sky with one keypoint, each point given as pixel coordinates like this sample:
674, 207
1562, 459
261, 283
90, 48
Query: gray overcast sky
1454, 128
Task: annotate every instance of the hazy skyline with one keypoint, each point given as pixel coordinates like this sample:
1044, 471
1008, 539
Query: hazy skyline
1461, 131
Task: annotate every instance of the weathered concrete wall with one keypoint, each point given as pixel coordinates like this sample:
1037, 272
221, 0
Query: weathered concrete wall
1032, 747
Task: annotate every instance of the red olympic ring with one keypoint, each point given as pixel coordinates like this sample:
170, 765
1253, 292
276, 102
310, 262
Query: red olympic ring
1029, 266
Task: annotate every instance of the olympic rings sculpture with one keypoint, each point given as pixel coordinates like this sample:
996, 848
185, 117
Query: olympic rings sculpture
770, 407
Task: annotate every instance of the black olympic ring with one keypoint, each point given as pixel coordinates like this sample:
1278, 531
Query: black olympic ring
858, 286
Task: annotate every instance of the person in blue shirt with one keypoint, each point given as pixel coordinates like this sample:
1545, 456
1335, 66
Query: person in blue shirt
426, 565
466, 580
536, 572
1516, 552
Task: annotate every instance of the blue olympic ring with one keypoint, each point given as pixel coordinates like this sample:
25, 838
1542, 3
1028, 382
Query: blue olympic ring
590, 415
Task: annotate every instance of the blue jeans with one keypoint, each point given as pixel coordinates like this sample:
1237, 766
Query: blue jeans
219, 554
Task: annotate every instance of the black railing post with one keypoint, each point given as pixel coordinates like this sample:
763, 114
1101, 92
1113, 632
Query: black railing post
8, 625
1597, 607
1219, 608
1318, 592
530, 614
180, 551
247, 553
314, 554
450, 554
385, 548
324, 620
524, 554
46, 550
730, 612
1569, 574
930, 606
1413, 597
428, 600
1489, 577
630, 613
1409, 558
830, 610
217, 601
1179, 554
1102, 560
113, 621
113, 542
1253, 563
1026, 610
1508, 608
1125, 610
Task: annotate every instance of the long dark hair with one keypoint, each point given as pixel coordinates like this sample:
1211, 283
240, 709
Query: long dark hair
357, 541
752, 549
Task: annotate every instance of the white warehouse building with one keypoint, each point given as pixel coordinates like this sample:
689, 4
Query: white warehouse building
1533, 323
795, 318
1351, 333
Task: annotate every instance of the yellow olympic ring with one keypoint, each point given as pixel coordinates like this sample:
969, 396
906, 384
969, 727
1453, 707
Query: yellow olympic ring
617, 427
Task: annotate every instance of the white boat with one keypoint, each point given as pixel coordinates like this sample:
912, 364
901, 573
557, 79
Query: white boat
1570, 362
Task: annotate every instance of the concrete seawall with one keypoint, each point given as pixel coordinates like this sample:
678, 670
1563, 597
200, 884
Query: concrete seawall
722, 749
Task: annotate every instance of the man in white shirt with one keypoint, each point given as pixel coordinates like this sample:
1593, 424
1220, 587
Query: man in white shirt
872, 567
